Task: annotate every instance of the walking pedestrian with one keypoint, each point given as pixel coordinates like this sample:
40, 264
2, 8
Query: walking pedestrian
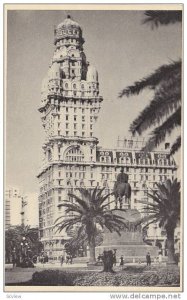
62, 260
114, 258
71, 259
148, 259
14, 261
67, 259
121, 262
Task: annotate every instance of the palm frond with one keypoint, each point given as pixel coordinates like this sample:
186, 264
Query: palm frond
66, 223
176, 145
102, 200
158, 134
100, 192
163, 73
148, 220
80, 201
71, 207
166, 100
94, 193
107, 204
112, 226
162, 17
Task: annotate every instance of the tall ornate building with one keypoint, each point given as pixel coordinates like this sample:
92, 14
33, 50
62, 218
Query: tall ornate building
69, 108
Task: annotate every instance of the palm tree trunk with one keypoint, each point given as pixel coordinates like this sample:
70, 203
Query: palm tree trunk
92, 259
170, 246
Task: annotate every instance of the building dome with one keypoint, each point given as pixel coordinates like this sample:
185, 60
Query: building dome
68, 23
92, 74
68, 29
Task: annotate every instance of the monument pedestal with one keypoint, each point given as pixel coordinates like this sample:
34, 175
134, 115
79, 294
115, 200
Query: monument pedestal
130, 243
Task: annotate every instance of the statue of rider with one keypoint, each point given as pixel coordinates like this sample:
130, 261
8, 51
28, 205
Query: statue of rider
122, 189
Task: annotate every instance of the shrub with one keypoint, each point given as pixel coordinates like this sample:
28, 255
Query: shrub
152, 277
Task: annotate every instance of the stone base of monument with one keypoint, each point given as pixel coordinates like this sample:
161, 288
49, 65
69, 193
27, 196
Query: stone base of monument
131, 253
130, 243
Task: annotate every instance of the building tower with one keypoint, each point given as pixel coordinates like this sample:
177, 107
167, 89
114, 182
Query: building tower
69, 107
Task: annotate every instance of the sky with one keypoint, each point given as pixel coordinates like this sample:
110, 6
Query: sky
116, 43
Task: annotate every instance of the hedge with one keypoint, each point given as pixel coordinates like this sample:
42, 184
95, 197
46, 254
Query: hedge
167, 277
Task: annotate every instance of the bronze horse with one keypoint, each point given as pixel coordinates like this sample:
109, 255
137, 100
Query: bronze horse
121, 188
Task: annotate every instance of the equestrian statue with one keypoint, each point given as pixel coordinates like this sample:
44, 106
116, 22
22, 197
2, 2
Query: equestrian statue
122, 190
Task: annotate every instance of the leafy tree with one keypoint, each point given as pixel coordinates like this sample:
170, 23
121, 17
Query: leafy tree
89, 213
163, 114
164, 210
14, 236
12, 240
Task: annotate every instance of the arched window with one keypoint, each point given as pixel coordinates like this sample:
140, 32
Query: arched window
127, 160
74, 155
102, 159
108, 159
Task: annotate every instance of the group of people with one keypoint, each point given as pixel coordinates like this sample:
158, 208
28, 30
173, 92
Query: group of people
122, 261
157, 259
68, 259
109, 258
44, 258
113, 257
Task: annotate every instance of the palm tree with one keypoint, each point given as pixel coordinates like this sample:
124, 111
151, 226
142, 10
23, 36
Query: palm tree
164, 111
80, 240
164, 210
90, 211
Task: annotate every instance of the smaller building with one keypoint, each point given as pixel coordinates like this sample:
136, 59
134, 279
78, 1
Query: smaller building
13, 207
20, 209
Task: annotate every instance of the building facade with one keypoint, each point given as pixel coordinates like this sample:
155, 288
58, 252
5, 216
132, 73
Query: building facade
69, 108
14, 207
20, 209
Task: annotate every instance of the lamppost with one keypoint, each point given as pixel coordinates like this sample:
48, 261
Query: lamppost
14, 257
24, 249
29, 251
